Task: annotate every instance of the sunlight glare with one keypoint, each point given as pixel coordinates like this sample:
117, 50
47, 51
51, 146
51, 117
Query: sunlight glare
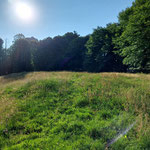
24, 12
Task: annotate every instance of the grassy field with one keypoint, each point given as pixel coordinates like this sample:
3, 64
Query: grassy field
74, 111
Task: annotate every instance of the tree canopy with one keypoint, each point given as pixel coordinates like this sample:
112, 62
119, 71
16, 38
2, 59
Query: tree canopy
134, 41
118, 47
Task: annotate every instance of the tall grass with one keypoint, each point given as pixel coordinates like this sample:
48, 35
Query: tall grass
64, 110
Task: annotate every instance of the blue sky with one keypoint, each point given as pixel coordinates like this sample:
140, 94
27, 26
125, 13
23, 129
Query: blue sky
56, 17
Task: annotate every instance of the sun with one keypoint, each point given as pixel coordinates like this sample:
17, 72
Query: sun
24, 11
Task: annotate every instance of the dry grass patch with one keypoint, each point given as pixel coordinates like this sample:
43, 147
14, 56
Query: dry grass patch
7, 108
20, 79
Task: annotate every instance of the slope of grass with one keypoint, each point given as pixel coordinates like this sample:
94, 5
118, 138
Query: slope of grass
62, 110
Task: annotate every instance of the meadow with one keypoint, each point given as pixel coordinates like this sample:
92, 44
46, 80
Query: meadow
74, 111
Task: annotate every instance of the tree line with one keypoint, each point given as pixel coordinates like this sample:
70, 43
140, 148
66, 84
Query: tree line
119, 47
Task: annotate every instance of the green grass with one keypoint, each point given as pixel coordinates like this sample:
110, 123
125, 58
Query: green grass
64, 111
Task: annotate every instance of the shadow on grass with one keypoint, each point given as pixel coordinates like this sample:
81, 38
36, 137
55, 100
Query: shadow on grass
15, 76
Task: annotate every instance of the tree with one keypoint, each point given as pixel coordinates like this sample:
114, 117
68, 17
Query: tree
116, 62
41, 55
134, 41
74, 57
1, 56
33, 42
100, 56
64, 48
96, 54
21, 54
50, 53
18, 37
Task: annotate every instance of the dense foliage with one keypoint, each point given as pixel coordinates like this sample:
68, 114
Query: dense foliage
118, 47
101, 56
134, 42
